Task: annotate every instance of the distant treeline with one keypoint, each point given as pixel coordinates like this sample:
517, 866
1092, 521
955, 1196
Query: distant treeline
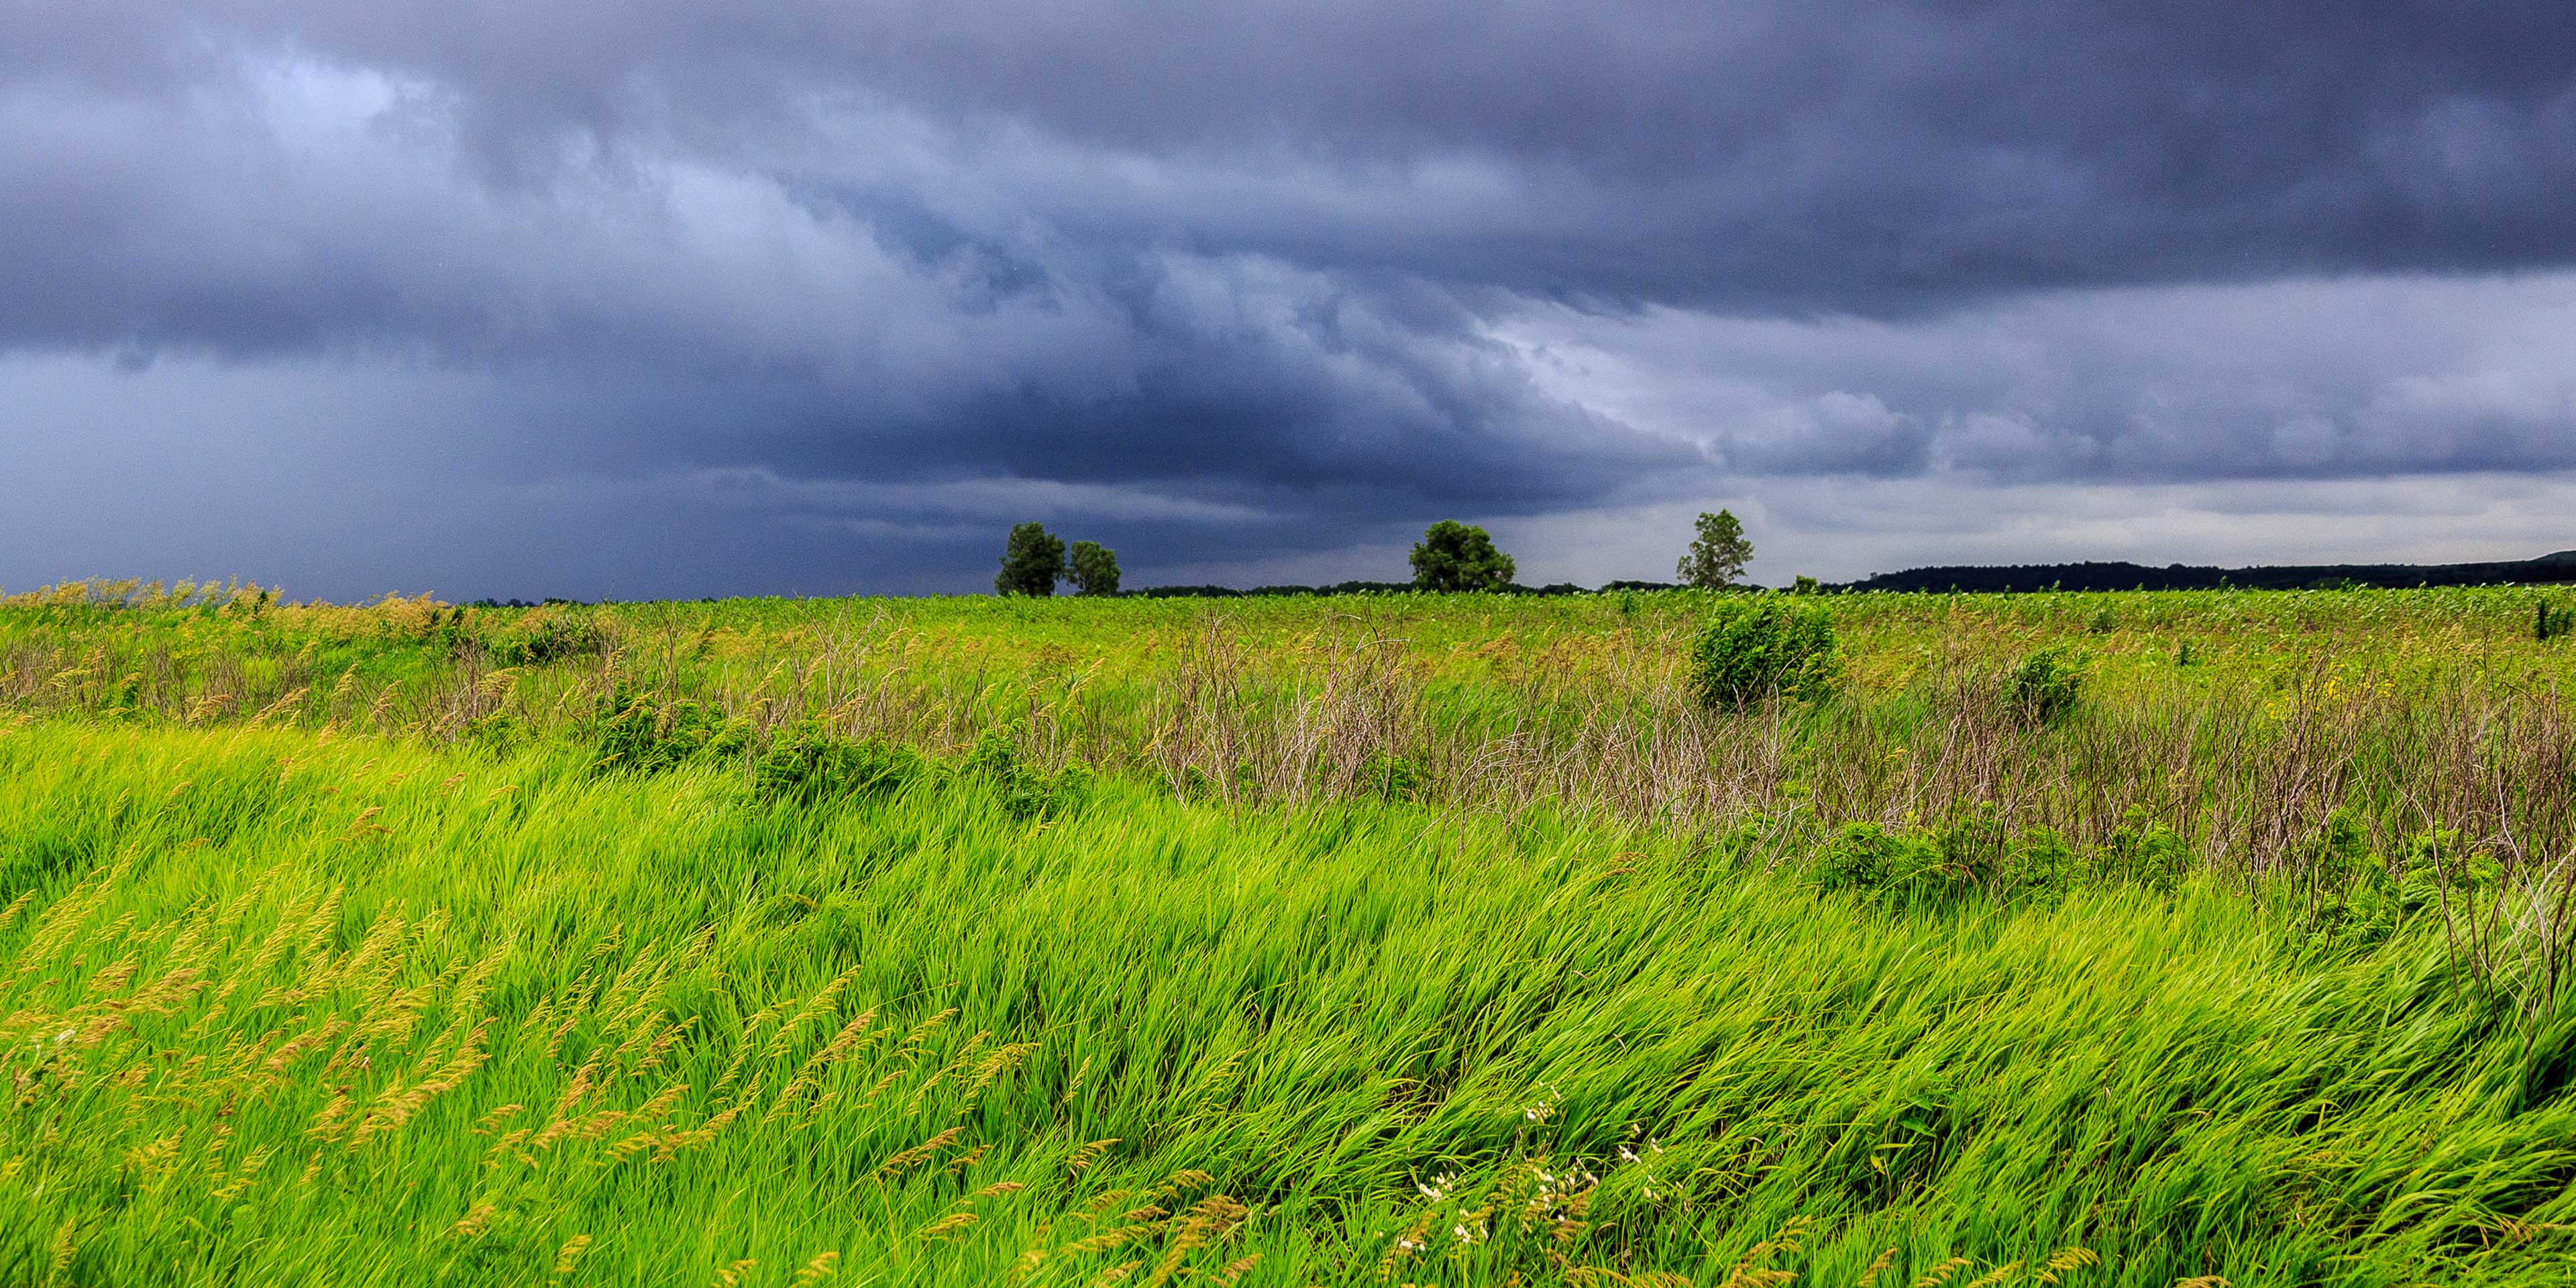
2560, 567
1376, 588
2001, 579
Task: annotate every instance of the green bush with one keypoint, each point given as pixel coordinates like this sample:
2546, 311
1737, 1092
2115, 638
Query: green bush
1926, 868
808, 764
1751, 649
639, 732
1026, 790
1859, 857
2143, 851
1391, 776
545, 635
499, 733
2360, 897
2550, 621
2046, 685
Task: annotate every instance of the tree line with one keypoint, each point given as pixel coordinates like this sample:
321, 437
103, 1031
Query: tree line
1451, 557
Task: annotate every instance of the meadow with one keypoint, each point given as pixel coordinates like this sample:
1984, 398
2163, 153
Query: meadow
1370, 939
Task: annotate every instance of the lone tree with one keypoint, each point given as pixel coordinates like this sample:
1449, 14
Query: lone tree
1718, 557
1458, 556
1095, 568
1030, 562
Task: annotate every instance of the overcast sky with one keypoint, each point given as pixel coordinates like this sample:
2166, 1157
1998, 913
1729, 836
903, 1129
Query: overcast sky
647, 298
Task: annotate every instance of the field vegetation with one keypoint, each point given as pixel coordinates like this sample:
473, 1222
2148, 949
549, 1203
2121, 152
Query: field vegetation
1631, 939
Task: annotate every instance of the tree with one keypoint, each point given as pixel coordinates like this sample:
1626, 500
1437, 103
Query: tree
1031, 562
1458, 556
1718, 557
1095, 568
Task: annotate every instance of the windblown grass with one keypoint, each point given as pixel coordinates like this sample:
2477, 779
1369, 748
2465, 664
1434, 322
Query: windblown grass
2237, 721
284, 1005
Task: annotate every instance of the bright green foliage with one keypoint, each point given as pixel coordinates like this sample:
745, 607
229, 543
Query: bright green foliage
1454, 556
1718, 554
1032, 562
1022, 789
2550, 621
1763, 647
282, 1010
807, 764
644, 733
1094, 568
2046, 685
1392, 777
1972, 860
540, 637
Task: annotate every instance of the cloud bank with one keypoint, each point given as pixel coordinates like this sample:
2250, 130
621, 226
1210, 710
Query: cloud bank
683, 299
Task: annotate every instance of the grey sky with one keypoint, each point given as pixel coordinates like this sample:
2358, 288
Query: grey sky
639, 299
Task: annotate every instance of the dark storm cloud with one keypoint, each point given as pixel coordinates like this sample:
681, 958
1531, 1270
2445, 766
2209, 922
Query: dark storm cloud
1789, 154
1268, 278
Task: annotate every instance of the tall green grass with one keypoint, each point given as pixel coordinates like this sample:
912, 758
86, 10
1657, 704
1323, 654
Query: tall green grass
2240, 722
285, 1006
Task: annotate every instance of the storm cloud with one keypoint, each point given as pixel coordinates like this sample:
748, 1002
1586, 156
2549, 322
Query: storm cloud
683, 299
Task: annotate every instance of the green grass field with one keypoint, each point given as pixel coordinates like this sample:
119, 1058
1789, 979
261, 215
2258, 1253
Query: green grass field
1377, 940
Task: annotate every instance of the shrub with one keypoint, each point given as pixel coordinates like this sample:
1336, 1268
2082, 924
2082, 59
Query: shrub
1859, 857
2359, 897
1390, 776
641, 733
806, 763
2143, 851
546, 635
2550, 621
1971, 857
2046, 685
1026, 790
1753, 649
498, 734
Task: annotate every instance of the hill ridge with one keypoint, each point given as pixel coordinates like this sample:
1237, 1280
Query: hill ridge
2549, 569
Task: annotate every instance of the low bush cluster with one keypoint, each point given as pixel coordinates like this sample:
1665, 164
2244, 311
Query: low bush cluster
2046, 685
643, 732
1974, 858
546, 635
1766, 646
2551, 621
1393, 777
807, 764
2359, 897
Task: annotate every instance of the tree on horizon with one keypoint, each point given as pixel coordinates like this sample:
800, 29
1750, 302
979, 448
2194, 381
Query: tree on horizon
1094, 568
1032, 560
1454, 556
1719, 554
